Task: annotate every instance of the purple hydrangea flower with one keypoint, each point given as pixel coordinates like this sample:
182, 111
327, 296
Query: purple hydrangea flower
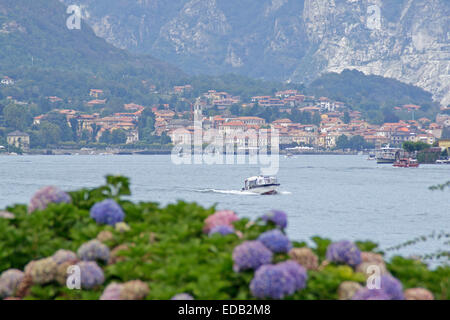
344, 252
392, 287
223, 230
276, 241
277, 217
297, 272
251, 255
43, 197
112, 292
371, 294
182, 296
272, 281
93, 250
9, 281
107, 212
91, 274
62, 256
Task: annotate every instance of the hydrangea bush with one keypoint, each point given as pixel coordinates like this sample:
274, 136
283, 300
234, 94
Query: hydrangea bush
94, 250
251, 255
344, 252
43, 197
168, 253
279, 218
107, 212
276, 241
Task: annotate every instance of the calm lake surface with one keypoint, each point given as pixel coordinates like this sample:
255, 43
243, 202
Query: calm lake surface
339, 197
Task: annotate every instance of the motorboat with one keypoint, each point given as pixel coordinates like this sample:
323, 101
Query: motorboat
406, 163
264, 185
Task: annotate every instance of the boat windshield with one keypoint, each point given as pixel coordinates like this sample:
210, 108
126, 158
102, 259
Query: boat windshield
259, 181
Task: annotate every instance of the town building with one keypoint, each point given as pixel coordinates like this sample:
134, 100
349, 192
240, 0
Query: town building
19, 139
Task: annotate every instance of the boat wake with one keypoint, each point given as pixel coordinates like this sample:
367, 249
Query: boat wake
238, 192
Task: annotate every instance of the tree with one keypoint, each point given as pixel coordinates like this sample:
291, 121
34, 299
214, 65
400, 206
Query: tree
342, 142
410, 146
446, 133
357, 143
105, 137
48, 134
165, 139
316, 119
389, 116
346, 117
17, 117
118, 136
146, 124
60, 120
235, 109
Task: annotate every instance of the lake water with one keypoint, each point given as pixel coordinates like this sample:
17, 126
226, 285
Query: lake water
339, 197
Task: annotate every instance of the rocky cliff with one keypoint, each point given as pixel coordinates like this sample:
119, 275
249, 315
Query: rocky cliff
294, 40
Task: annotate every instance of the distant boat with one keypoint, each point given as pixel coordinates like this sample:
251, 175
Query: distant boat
406, 163
372, 156
263, 185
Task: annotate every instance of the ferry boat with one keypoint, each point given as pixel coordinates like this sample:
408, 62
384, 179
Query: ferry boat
263, 185
443, 161
406, 163
388, 154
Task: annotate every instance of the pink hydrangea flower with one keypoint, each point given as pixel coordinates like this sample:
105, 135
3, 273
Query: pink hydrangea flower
220, 218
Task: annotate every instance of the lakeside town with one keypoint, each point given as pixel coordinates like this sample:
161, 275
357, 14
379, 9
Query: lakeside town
304, 123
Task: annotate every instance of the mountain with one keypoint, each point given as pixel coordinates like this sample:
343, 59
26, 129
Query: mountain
296, 40
46, 58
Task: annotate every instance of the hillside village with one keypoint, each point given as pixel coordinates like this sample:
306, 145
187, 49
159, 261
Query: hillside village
303, 121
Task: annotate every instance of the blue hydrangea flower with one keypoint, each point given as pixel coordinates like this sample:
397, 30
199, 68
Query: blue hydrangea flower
251, 255
107, 212
223, 230
371, 294
277, 217
9, 281
182, 296
297, 272
272, 281
345, 252
392, 287
91, 274
93, 250
276, 241
43, 197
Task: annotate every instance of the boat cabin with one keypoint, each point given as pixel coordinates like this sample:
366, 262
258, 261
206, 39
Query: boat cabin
259, 181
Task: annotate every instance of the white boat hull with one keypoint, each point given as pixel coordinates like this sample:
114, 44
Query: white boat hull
266, 190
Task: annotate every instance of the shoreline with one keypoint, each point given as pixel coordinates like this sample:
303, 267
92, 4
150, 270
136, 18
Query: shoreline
59, 152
